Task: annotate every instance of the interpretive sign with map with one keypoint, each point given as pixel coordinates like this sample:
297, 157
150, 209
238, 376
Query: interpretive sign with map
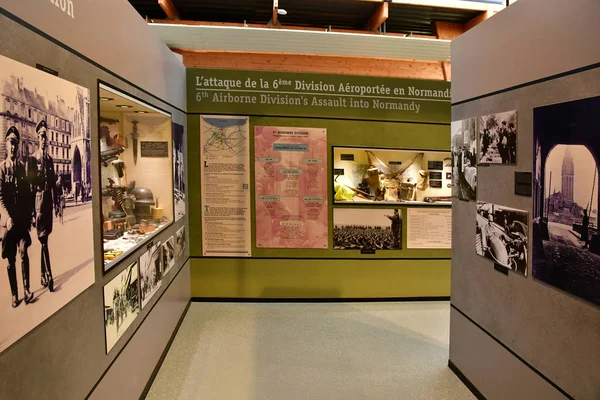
225, 182
291, 187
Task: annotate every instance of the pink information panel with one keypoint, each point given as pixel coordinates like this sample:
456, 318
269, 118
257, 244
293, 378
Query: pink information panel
291, 187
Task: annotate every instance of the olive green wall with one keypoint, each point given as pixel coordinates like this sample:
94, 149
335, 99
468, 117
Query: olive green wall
321, 273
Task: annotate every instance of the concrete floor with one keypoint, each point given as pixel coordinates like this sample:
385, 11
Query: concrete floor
342, 351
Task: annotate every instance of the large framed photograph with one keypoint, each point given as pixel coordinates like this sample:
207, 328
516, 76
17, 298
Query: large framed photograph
498, 138
121, 304
179, 170
46, 203
363, 175
367, 229
464, 159
502, 235
151, 272
136, 173
566, 241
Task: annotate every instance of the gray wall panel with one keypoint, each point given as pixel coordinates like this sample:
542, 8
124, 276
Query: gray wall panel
555, 332
528, 40
112, 34
493, 369
130, 373
64, 357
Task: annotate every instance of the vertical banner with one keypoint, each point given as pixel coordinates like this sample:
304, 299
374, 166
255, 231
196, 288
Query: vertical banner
225, 186
291, 187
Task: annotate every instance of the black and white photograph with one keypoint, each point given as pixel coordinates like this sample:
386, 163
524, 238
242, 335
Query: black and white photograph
367, 229
45, 196
566, 243
121, 304
168, 254
150, 272
179, 170
464, 159
501, 236
179, 244
498, 138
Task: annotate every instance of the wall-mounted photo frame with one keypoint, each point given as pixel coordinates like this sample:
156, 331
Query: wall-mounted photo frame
381, 176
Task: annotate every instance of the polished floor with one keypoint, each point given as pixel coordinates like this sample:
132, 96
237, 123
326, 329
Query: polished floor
345, 351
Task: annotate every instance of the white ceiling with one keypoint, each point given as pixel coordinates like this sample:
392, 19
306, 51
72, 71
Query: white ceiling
219, 38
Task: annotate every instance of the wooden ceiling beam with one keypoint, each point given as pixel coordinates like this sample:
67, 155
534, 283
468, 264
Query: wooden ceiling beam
169, 9
478, 19
378, 18
290, 27
448, 30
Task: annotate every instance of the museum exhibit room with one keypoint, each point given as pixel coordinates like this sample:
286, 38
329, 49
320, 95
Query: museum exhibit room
300, 199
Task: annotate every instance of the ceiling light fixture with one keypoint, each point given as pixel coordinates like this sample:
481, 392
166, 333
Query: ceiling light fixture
124, 106
142, 112
281, 11
106, 98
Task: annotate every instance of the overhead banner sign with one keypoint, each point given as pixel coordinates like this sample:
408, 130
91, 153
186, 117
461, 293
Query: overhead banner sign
225, 186
317, 95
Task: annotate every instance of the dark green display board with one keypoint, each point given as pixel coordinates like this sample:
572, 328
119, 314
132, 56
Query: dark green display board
317, 95
339, 133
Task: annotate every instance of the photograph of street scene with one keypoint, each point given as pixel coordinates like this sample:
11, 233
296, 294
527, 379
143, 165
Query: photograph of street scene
373, 229
45, 196
179, 170
121, 304
501, 235
498, 138
464, 159
150, 272
566, 243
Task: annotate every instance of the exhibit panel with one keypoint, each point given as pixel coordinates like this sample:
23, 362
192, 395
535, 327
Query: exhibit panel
136, 172
536, 313
85, 325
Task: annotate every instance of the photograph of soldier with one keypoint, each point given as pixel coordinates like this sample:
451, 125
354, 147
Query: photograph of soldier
45, 154
121, 304
498, 138
180, 244
464, 159
168, 254
501, 236
16, 210
179, 170
372, 229
150, 272
566, 241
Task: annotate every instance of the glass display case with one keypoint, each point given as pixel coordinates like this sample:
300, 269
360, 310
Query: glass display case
136, 173
392, 176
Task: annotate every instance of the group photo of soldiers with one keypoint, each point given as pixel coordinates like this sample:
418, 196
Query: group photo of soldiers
46, 239
362, 229
121, 304
498, 138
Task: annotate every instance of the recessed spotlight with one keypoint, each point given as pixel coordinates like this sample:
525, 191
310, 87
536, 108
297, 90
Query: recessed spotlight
281, 11
124, 106
141, 112
106, 98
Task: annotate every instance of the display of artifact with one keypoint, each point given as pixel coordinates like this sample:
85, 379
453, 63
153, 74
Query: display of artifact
132, 185
369, 175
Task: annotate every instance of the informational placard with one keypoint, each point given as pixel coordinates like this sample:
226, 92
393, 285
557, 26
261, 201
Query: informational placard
225, 186
429, 228
154, 149
291, 187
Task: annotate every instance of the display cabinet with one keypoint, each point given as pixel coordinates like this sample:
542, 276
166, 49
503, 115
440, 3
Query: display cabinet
136, 173
392, 176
